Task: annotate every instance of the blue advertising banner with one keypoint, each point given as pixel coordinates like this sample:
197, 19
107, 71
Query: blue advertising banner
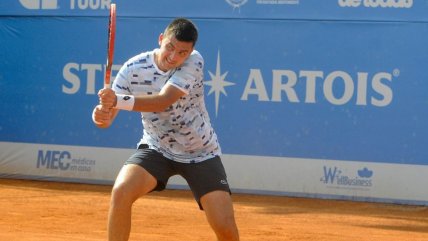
379, 10
342, 90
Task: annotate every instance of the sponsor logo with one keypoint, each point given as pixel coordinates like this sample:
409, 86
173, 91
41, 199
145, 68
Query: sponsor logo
236, 3
239, 3
63, 161
336, 87
73, 4
365, 172
336, 178
82, 77
218, 83
376, 3
90, 4
290, 2
39, 4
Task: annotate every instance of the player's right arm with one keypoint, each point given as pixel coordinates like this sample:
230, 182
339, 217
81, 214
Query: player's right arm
102, 117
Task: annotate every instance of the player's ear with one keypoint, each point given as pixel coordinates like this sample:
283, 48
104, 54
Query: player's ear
160, 39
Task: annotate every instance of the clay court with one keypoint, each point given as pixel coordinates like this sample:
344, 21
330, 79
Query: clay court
48, 211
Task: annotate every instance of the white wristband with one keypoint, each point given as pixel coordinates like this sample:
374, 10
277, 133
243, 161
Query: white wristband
125, 102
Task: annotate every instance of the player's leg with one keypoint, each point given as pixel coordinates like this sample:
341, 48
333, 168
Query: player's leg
145, 171
220, 215
209, 185
132, 182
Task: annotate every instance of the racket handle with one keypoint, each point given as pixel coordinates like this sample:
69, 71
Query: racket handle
107, 82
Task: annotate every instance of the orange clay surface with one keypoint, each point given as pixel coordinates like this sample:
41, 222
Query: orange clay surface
47, 211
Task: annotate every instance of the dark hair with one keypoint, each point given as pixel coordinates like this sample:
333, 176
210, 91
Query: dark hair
183, 30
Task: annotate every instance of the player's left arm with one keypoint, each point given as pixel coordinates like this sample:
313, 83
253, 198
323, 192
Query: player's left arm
168, 95
179, 85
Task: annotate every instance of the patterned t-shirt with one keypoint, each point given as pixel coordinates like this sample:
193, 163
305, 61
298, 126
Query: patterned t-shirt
182, 132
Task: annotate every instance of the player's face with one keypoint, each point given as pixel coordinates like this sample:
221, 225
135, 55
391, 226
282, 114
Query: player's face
172, 52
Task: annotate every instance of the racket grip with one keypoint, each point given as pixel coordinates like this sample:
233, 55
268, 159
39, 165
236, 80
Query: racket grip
107, 82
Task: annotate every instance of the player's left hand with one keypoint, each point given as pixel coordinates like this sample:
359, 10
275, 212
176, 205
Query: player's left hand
107, 98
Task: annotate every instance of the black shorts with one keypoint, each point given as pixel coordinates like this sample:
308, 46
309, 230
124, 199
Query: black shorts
202, 177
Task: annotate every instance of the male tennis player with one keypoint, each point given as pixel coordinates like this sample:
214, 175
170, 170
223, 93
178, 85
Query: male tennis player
166, 86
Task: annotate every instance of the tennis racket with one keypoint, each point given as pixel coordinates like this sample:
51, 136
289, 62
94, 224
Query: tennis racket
110, 44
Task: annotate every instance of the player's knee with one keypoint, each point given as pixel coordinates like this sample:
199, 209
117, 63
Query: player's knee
121, 196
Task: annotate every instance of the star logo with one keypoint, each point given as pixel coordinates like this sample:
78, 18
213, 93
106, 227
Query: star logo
236, 3
218, 83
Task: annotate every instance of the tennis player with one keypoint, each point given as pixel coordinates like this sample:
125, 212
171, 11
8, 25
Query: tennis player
166, 86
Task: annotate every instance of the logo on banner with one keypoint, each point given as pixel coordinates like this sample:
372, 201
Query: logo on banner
74, 4
39, 4
377, 3
273, 2
218, 83
63, 161
337, 87
336, 178
239, 3
236, 3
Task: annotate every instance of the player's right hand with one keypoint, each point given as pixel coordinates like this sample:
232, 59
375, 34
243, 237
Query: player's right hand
102, 117
107, 98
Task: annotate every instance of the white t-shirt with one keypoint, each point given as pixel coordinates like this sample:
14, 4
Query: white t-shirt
182, 132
